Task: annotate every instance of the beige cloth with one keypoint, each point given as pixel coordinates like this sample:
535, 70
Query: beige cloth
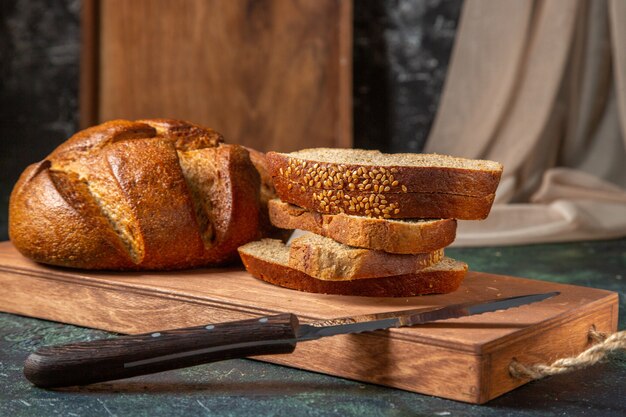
540, 86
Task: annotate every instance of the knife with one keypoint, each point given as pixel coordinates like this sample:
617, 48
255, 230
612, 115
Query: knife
127, 356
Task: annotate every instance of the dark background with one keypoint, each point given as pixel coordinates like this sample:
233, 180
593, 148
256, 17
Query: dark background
39, 54
401, 52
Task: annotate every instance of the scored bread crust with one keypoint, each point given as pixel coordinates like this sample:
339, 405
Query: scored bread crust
389, 205
438, 279
53, 221
120, 196
393, 236
444, 174
323, 258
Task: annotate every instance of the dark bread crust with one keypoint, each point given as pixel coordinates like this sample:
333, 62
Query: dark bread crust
409, 205
114, 197
236, 205
409, 285
363, 232
416, 179
186, 136
268, 193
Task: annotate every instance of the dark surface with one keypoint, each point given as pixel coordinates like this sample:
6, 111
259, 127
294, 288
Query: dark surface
39, 54
249, 388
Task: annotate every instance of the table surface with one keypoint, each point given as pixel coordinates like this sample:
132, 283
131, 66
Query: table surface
251, 388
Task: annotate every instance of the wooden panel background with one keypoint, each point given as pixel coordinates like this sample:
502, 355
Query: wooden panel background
271, 74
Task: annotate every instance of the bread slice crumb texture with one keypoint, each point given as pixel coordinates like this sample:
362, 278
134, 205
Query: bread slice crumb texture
394, 236
272, 250
377, 158
324, 258
268, 260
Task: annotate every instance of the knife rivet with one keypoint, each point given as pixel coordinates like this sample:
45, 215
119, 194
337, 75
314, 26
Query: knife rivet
155, 334
209, 327
263, 320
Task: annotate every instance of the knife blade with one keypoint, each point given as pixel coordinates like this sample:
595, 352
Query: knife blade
127, 356
403, 318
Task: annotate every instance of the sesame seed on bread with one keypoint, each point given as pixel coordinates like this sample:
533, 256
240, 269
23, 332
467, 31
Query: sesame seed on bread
329, 180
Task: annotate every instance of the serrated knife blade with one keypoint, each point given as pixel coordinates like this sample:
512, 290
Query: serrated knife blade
404, 318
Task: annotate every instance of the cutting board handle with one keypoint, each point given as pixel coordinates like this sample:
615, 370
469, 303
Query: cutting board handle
127, 356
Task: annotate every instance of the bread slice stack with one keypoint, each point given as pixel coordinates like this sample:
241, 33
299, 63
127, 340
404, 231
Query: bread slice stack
377, 222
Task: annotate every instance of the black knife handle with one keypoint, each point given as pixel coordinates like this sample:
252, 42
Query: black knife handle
127, 356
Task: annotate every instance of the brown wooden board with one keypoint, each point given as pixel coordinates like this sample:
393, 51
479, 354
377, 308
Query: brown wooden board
267, 74
463, 359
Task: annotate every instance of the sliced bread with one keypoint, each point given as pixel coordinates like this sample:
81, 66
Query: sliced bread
268, 260
324, 258
385, 205
393, 236
363, 170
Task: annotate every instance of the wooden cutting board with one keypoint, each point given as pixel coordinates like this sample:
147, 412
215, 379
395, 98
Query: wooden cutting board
462, 359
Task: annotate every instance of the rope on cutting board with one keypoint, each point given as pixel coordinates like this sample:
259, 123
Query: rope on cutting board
605, 344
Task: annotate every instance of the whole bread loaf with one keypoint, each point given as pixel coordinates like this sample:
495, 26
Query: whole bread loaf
149, 194
268, 260
373, 184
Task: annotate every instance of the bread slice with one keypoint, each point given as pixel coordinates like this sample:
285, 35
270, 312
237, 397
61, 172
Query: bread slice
385, 205
393, 236
268, 260
373, 171
324, 258
373, 184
